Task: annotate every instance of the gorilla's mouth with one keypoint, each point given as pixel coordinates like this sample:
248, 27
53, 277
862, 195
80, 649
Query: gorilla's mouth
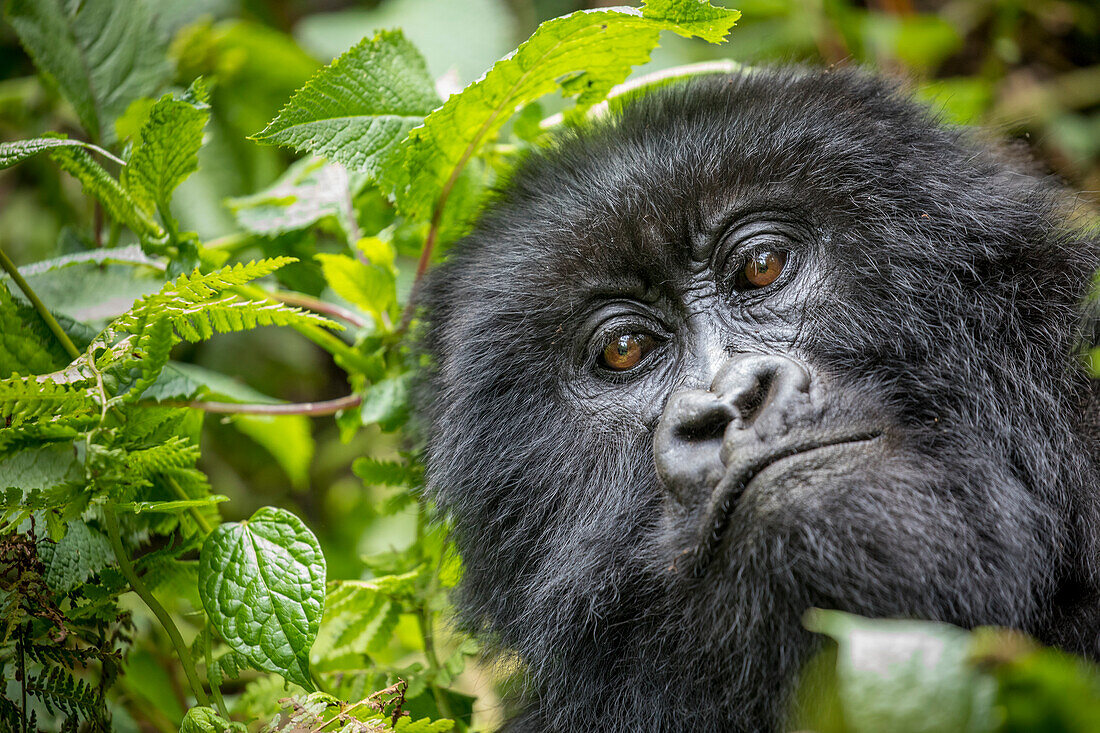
747, 467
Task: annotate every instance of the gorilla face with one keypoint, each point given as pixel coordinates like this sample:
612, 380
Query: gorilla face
762, 343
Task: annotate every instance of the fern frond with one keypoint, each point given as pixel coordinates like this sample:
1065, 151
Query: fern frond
375, 472
198, 321
59, 691
196, 286
176, 452
24, 399
153, 347
32, 435
227, 666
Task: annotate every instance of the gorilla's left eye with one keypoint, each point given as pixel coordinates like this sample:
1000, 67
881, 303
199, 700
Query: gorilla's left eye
761, 269
626, 351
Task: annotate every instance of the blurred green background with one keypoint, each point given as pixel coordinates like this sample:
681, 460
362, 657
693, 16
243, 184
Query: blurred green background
1025, 70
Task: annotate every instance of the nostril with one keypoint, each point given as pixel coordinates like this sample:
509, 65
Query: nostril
709, 425
751, 401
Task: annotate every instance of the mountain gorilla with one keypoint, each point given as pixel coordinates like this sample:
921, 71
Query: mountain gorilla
759, 343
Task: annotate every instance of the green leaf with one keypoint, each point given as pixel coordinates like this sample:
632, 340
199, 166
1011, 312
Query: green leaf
19, 150
692, 18
262, 583
383, 473
26, 344
584, 54
81, 553
171, 507
386, 402
38, 473
358, 108
424, 725
905, 676
168, 152
206, 720
309, 190
102, 54
131, 255
23, 399
369, 286
96, 182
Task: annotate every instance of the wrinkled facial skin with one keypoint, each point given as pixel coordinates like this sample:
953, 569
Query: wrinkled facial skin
762, 343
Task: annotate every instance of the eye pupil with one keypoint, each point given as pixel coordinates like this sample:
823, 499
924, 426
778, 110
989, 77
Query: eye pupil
762, 269
626, 351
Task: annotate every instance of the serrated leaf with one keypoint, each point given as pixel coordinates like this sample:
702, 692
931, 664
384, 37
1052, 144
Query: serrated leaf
26, 344
371, 287
78, 555
168, 152
102, 54
358, 108
584, 54
116, 201
36, 474
262, 583
692, 18
309, 190
19, 150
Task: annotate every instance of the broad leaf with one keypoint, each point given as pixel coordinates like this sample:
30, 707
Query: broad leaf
168, 152
131, 255
905, 676
103, 54
14, 152
309, 191
262, 583
371, 287
583, 54
78, 555
356, 109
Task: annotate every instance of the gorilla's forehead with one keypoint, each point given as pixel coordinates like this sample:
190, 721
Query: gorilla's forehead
654, 188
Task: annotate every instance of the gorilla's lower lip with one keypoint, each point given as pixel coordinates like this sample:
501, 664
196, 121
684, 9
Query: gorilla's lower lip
743, 470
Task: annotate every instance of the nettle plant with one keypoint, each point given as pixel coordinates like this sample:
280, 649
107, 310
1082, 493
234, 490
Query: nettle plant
99, 427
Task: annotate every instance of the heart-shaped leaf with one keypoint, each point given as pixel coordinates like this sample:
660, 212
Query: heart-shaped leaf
262, 583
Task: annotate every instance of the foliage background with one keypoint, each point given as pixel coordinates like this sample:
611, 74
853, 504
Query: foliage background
1026, 69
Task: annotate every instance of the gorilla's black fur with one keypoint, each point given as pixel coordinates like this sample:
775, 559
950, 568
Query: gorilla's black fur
913, 434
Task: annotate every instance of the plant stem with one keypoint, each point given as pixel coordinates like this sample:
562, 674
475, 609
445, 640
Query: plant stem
424, 621
312, 409
195, 513
154, 605
214, 689
51, 322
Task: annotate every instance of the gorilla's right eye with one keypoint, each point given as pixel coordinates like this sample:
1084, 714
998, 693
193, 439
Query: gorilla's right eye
761, 269
626, 351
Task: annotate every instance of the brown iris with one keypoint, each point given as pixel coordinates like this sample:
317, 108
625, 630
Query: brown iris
762, 269
626, 351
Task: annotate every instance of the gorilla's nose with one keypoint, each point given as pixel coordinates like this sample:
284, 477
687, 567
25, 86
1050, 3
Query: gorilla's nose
752, 397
